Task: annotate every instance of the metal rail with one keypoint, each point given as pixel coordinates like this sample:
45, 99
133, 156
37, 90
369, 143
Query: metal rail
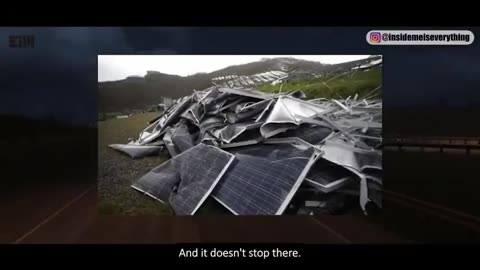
443, 144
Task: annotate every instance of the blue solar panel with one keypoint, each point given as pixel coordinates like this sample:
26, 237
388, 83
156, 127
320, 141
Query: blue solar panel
310, 133
186, 180
159, 182
263, 178
182, 138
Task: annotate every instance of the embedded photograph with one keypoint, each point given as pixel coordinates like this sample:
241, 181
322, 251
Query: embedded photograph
239, 134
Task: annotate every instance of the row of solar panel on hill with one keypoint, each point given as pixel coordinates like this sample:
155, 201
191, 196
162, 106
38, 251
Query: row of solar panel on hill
234, 81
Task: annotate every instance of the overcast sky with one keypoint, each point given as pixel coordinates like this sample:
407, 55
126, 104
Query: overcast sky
117, 67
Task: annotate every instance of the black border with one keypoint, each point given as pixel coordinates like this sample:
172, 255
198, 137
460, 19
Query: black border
191, 14
320, 255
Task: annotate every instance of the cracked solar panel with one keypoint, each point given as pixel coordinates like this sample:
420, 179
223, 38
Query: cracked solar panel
160, 181
195, 113
328, 176
174, 115
248, 137
310, 133
186, 180
263, 178
231, 132
183, 139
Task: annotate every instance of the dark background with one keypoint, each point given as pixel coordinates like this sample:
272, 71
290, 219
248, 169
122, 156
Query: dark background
58, 78
48, 115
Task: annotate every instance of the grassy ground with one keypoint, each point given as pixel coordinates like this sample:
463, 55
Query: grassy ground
330, 87
117, 172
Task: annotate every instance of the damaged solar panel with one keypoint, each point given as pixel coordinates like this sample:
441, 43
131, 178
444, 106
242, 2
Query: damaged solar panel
264, 178
186, 180
258, 153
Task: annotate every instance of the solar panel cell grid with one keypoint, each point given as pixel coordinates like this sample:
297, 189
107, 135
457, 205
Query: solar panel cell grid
194, 172
261, 178
159, 182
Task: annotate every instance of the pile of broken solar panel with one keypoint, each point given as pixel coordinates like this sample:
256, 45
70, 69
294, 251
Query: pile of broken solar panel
257, 153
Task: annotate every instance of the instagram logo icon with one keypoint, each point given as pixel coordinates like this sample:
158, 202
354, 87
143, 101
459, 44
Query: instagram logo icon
375, 37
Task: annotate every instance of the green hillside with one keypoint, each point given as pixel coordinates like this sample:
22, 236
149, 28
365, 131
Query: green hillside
334, 86
116, 96
142, 92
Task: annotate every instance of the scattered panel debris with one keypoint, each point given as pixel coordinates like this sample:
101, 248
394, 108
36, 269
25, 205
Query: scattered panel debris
186, 180
259, 153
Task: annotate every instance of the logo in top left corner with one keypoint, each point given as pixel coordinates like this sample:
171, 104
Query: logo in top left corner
375, 37
21, 41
